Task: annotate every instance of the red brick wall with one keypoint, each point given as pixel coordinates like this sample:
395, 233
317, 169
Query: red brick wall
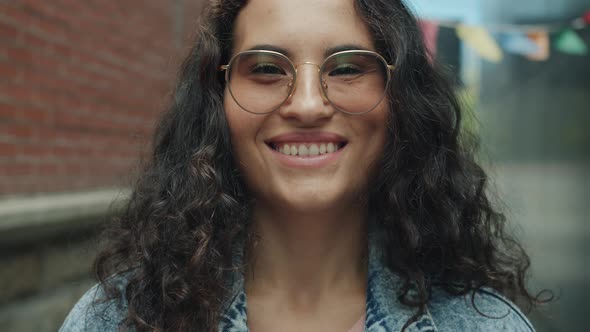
81, 84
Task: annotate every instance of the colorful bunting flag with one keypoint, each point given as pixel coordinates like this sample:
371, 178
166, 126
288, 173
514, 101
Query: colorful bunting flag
480, 40
541, 39
570, 43
531, 41
430, 35
518, 43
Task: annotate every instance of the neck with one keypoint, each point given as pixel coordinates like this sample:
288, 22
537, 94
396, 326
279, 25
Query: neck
304, 255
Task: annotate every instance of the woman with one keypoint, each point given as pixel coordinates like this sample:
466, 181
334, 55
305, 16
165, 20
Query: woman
310, 176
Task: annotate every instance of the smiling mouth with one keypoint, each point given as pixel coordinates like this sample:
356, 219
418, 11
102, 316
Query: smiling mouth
306, 149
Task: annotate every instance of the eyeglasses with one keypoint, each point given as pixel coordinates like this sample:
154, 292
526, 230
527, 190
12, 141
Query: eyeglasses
353, 81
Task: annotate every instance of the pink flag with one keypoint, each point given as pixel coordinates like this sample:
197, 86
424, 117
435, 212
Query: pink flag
429, 35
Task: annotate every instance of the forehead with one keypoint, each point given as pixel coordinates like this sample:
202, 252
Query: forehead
305, 28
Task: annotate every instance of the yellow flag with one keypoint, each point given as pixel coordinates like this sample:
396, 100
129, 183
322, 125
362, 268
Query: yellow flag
480, 40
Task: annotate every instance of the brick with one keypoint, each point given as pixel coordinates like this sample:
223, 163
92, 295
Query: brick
81, 101
45, 26
7, 150
16, 93
9, 33
59, 136
24, 113
17, 54
34, 42
34, 152
64, 151
15, 131
14, 16
72, 168
7, 113
17, 169
35, 115
48, 169
10, 72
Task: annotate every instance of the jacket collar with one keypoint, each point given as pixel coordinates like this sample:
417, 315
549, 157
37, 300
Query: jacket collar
384, 312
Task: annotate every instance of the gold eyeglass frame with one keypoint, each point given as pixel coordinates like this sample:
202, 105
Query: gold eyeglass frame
293, 80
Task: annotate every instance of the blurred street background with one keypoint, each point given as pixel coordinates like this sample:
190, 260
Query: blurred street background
82, 84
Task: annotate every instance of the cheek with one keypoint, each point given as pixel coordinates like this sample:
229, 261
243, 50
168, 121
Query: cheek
376, 125
243, 127
238, 128
375, 132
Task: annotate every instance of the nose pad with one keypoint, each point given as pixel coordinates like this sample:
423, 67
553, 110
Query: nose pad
323, 86
324, 91
307, 101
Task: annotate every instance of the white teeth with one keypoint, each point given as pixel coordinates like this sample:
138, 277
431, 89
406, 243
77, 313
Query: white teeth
302, 150
286, 149
330, 148
309, 149
314, 150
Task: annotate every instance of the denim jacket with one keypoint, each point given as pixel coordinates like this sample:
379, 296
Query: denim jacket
384, 313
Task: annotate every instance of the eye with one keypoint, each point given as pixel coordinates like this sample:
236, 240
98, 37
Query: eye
267, 69
345, 69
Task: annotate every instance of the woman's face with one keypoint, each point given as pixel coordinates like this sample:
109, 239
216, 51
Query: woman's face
305, 30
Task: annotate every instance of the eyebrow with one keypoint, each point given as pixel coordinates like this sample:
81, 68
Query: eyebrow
327, 52
345, 47
268, 47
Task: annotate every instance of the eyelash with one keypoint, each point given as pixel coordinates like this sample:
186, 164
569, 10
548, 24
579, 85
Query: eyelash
348, 70
262, 69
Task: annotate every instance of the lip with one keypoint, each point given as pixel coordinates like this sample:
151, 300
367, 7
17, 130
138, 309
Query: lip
320, 136
307, 162
318, 161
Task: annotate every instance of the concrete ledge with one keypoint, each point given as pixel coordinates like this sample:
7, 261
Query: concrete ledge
26, 219
45, 311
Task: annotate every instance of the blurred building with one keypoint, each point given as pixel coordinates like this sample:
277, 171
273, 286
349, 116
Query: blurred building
534, 119
81, 87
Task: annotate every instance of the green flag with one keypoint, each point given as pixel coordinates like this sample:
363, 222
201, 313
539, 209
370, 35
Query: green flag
569, 42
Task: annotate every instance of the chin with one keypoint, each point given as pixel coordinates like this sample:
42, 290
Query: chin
312, 201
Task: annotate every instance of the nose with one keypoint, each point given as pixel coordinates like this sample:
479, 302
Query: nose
307, 103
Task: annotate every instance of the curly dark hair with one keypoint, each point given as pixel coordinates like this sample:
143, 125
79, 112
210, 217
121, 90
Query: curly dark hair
175, 240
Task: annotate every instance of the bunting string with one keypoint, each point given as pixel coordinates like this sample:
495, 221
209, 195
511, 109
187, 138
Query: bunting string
532, 41
576, 24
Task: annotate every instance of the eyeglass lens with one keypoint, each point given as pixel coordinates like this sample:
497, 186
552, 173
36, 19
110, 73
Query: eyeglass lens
353, 82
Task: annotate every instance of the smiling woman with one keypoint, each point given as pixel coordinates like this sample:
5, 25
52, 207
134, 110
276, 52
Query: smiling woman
311, 175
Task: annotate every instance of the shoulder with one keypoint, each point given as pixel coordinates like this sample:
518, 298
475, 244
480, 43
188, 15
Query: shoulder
492, 312
93, 313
